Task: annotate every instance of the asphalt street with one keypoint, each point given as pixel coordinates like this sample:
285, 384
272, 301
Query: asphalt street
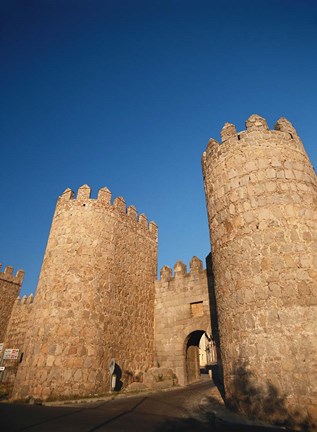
185, 409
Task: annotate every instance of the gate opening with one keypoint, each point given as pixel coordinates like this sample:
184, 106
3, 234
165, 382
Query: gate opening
200, 355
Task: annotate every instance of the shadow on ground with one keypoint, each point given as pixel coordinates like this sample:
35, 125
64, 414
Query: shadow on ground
210, 423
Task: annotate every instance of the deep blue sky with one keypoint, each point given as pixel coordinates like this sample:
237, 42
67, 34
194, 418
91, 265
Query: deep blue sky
126, 94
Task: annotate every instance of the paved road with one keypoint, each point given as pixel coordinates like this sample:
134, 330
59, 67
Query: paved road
177, 410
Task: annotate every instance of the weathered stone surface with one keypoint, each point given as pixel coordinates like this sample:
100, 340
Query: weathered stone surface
9, 290
15, 337
94, 301
261, 193
159, 378
181, 307
95, 298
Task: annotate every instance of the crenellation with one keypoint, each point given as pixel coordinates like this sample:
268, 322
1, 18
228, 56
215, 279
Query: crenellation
104, 195
103, 203
24, 300
256, 123
153, 228
143, 221
284, 125
277, 137
228, 131
196, 265
166, 274
83, 192
67, 195
180, 269
10, 285
7, 275
203, 161
131, 211
213, 147
19, 277
119, 204
8, 270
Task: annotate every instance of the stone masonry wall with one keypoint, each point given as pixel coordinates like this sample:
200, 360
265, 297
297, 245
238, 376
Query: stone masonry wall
16, 335
261, 193
10, 286
181, 307
95, 298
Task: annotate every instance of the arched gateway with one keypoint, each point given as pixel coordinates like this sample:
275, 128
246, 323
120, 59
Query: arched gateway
193, 364
184, 298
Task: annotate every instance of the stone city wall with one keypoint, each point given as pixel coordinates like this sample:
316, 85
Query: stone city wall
261, 193
181, 307
95, 298
16, 335
10, 286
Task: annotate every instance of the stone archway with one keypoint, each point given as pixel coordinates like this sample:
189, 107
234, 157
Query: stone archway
192, 355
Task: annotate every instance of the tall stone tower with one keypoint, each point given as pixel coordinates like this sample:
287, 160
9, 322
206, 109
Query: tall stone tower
261, 193
94, 301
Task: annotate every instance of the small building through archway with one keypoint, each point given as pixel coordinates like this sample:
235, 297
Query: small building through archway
199, 355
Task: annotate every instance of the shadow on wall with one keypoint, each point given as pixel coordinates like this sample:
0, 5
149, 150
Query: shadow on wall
217, 370
247, 397
263, 402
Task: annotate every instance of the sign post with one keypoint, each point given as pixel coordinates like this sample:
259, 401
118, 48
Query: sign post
1, 361
9, 354
112, 367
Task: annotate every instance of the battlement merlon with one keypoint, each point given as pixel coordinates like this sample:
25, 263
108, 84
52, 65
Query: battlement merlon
166, 274
83, 197
7, 275
24, 300
180, 270
284, 125
228, 131
254, 124
196, 265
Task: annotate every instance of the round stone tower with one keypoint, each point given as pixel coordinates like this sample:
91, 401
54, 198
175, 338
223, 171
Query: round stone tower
261, 193
94, 301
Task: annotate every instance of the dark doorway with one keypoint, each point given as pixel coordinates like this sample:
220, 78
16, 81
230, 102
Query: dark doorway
192, 356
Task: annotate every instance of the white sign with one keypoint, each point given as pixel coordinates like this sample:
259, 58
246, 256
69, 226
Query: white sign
1, 346
11, 354
112, 366
2, 368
